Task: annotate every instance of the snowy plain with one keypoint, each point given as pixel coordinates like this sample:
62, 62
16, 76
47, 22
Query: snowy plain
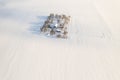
90, 53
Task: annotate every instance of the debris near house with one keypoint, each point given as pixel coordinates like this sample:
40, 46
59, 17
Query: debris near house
56, 26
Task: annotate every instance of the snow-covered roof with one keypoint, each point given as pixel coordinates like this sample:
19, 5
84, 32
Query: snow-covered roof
53, 25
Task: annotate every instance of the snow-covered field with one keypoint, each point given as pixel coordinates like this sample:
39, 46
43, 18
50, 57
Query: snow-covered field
90, 53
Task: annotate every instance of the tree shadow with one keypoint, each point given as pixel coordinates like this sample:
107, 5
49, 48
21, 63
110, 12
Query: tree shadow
36, 26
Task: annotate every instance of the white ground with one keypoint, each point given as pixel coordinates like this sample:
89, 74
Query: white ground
90, 53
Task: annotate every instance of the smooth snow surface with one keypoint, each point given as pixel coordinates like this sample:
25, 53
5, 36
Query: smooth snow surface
90, 53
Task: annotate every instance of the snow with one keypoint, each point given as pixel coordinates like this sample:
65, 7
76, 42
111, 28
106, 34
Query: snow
90, 53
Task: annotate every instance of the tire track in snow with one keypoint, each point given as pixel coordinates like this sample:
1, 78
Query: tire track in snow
12, 54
